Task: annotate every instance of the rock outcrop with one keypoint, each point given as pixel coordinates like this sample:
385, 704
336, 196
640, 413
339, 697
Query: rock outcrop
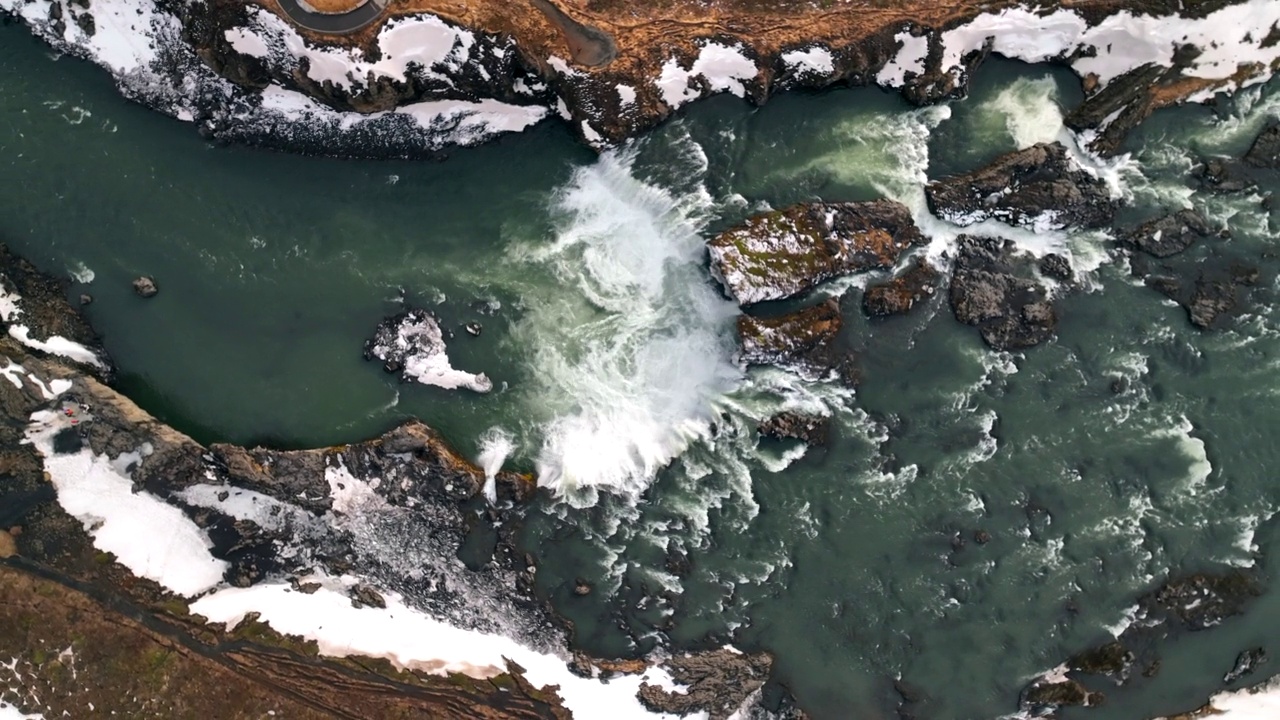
34, 311
718, 683
1040, 187
903, 292
1185, 603
811, 430
804, 342
411, 344
1168, 235
784, 253
1010, 311
1265, 151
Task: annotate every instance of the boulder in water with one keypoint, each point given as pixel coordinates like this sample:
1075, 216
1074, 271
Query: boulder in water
412, 344
1168, 235
1011, 312
803, 342
903, 292
1057, 267
1040, 187
784, 253
145, 286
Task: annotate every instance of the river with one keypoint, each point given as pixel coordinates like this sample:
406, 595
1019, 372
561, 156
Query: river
611, 351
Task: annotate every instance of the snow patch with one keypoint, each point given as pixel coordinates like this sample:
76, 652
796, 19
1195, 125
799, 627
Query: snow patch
909, 59
150, 537
412, 639
723, 68
57, 345
816, 60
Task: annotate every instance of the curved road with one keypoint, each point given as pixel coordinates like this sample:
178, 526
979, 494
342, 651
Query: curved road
334, 24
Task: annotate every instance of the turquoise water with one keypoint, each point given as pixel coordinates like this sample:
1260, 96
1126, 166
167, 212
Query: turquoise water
610, 350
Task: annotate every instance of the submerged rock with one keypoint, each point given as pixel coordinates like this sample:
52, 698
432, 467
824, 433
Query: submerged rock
1265, 152
1168, 235
1011, 312
1214, 296
784, 253
718, 683
1040, 187
811, 430
1222, 175
803, 341
903, 292
412, 344
1055, 690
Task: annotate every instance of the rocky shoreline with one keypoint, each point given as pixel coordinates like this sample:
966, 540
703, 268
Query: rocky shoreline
431, 75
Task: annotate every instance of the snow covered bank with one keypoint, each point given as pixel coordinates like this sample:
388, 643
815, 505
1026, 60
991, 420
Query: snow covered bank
1261, 702
11, 310
411, 639
144, 48
150, 537
1229, 38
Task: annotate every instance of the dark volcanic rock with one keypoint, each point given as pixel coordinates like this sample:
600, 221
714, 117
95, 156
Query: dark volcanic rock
1204, 600
1246, 663
145, 286
1265, 152
900, 294
1112, 659
1011, 312
809, 429
718, 681
1040, 187
802, 341
784, 253
1056, 266
1168, 235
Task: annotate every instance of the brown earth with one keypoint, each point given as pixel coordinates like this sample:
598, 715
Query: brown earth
335, 6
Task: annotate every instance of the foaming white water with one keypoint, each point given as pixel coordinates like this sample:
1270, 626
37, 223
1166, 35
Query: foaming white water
81, 273
626, 370
1031, 110
1193, 449
495, 446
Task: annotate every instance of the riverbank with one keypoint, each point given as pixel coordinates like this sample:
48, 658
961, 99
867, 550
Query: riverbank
421, 77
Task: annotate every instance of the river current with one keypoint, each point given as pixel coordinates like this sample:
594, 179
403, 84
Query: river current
611, 352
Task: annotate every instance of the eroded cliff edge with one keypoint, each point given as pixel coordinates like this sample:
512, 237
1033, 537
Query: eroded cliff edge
424, 75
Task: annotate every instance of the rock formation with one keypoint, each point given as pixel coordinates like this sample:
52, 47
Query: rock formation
804, 341
987, 291
1040, 187
903, 292
787, 252
1168, 235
